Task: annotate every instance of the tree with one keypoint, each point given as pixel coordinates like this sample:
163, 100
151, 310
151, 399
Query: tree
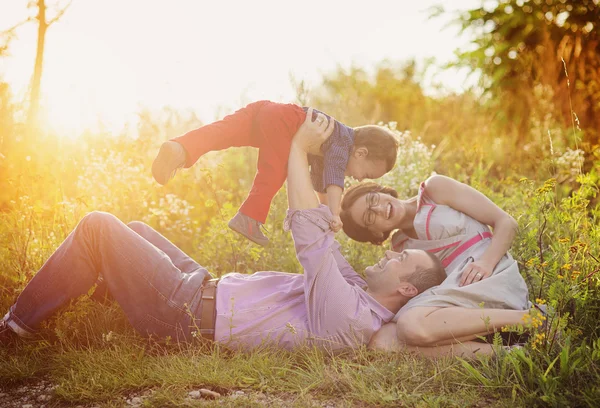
43, 24
6, 106
391, 93
36, 82
520, 44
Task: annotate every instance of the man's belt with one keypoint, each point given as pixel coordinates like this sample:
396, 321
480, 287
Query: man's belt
208, 309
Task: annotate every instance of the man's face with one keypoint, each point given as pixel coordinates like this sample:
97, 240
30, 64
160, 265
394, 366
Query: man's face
395, 268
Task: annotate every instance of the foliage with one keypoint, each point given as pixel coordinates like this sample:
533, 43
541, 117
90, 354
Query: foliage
521, 44
466, 129
92, 354
393, 93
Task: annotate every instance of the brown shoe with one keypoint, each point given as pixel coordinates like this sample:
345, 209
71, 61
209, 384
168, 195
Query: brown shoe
171, 157
248, 227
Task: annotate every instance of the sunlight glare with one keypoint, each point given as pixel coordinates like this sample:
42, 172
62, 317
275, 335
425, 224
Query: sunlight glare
102, 63
87, 88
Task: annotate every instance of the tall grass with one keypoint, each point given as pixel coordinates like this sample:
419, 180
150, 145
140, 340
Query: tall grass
93, 356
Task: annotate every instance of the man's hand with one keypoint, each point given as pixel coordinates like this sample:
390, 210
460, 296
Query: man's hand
311, 135
336, 223
309, 138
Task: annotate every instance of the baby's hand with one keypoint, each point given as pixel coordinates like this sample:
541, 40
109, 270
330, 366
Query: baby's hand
336, 223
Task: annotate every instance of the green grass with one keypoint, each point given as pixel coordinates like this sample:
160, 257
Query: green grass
104, 372
94, 358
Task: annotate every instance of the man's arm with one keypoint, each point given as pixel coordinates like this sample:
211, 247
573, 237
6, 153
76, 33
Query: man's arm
346, 270
337, 313
299, 185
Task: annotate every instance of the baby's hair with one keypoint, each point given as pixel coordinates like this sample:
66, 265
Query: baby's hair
380, 141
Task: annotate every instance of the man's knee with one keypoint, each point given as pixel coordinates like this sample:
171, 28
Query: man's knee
98, 218
93, 223
138, 226
412, 331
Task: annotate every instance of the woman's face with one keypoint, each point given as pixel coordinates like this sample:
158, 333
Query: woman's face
378, 212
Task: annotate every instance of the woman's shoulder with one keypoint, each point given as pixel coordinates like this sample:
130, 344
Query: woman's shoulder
439, 221
423, 197
438, 186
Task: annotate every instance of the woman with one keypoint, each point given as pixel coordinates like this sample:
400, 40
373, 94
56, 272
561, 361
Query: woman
483, 291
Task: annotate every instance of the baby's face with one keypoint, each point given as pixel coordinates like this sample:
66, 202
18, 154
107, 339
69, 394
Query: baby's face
362, 167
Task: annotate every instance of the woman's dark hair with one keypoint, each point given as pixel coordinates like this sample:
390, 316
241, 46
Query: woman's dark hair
351, 228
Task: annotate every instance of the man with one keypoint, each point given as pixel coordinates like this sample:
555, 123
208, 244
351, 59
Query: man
164, 293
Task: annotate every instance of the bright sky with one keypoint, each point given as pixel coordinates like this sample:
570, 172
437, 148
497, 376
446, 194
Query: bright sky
106, 58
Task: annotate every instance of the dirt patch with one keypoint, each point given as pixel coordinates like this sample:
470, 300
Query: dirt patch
40, 394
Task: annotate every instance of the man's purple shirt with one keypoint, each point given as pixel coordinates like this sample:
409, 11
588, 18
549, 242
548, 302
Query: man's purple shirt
326, 306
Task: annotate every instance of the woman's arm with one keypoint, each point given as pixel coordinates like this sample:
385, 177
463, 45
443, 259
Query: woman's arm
463, 198
386, 339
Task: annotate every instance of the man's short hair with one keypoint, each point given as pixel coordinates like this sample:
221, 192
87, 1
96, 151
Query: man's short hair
425, 278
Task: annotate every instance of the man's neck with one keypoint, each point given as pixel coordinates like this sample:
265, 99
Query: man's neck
391, 303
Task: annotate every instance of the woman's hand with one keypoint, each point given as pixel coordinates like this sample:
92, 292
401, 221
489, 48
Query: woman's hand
475, 272
311, 135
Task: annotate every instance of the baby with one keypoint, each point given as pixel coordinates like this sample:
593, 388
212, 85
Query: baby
364, 152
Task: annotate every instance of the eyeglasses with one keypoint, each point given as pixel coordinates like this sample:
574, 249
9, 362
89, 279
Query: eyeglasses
370, 215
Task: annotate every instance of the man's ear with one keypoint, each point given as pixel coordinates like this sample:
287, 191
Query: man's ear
361, 151
408, 290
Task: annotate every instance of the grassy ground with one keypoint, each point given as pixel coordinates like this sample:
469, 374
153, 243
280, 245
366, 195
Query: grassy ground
89, 356
106, 373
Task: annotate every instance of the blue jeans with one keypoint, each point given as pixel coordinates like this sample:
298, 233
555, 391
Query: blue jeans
156, 284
